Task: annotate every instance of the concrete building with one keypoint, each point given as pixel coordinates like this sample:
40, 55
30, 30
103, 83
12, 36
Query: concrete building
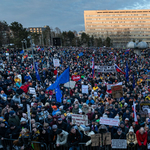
121, 26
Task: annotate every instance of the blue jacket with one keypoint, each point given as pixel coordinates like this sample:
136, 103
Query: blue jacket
91, 101
54, 112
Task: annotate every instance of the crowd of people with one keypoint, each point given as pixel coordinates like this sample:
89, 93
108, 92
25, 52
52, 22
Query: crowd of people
50, 121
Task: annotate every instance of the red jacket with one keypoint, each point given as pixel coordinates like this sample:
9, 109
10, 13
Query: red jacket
25, 88
141, 138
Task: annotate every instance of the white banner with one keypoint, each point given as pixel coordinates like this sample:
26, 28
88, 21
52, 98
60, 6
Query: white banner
119, 144
106, 69
85, 89
56, 62
79, 119
109, 121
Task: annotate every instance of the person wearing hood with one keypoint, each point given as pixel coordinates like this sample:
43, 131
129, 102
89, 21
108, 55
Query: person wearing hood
131, 138
13, 118
87, 135
62, 137
85, 108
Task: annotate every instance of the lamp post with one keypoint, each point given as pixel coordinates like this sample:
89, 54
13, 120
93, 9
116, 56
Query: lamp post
22, 45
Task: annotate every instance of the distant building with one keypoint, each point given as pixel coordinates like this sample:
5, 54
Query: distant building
121, 26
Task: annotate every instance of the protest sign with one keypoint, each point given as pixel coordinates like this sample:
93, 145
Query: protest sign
79, 119
148, 145
144, 108
85, 89
117, 91
70, 84
101, 139
32, 91
119, 144
106, 69
56, 62
109, 121
75, 78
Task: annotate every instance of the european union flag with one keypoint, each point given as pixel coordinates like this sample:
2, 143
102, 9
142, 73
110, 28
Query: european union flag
58, 93
127, 70
81, 54
36, 71
22, 52
63, 78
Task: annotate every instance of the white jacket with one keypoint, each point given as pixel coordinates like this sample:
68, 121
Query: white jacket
88, 134
62, 140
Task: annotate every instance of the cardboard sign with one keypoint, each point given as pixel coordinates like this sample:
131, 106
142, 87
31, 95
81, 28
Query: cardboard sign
56, 62
109, 121
79, 119
119, 144
85, 89
32, 91
117, 91
101, 139
144, 108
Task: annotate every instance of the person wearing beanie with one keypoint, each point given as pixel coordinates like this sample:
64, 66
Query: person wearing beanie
24, 123
131, 138
61, 110
85, 108
62, 137
55, 110
13, 118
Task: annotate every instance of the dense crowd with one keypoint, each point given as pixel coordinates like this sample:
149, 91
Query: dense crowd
51, 121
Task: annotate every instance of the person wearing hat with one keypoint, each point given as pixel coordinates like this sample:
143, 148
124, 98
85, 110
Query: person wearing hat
123, 127
119, 134
62, 137
141, 136
61, 110
24, 123
13, 118
74, 138
131, 138
126, 114
55, 110
62, 125
85, 108
87, 135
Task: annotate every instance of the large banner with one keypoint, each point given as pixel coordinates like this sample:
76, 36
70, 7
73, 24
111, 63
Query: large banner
56, 62
117, 91
109, 121
85, 89
106, 69
79, 119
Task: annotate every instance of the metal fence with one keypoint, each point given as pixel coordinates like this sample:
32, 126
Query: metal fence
7, 144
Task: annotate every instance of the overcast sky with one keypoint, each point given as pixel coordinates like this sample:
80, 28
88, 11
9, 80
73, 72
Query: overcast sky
64, 14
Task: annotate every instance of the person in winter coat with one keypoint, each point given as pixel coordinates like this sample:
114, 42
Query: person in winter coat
74, 138
87, 135
62, 125
123, 127
90, 114
61, 137
75, 109
141, 136
55, 110
85, 108
119, 134
13, 118
131, 138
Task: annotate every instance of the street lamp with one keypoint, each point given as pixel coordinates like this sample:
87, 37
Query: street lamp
22, 45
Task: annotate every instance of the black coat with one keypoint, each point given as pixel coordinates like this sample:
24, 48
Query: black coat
122, 136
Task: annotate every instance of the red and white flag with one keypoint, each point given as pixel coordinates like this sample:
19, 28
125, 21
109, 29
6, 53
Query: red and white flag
134, 110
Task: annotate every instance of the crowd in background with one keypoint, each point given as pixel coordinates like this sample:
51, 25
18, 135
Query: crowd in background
51, 121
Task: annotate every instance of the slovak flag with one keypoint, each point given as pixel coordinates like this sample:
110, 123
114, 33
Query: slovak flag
115, 58
119, 70
93, 71
39, 49
134, 113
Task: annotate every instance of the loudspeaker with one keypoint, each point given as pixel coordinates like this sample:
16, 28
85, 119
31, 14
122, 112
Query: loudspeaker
56, 42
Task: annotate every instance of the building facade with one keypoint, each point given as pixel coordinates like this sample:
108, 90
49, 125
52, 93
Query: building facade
37, 30
121, 26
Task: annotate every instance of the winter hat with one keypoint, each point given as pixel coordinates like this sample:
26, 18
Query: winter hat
127, 119
68, 101
61, 107
59, 131
54, 127
23, 120
121, 122
125, 104
11, 112
87, 129
54, 107
131, 129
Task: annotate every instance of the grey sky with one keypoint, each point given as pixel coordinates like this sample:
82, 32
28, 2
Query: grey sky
65, 14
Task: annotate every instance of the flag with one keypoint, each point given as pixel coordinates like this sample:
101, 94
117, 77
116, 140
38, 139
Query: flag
133, 81
39, 49
63, 78
22, 52
42, 49
58, 93
93, 71
127, 70
127, 51
119, 70
81, 54
134, 109
110, 85
31, 66
115, 58
36, 71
